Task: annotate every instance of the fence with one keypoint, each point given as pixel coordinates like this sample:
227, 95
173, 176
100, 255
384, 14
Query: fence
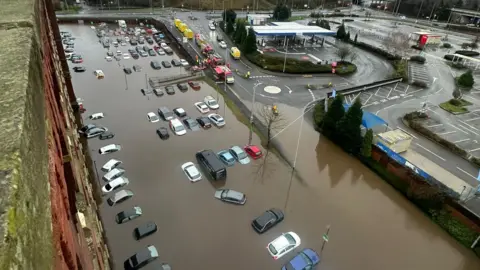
365, 87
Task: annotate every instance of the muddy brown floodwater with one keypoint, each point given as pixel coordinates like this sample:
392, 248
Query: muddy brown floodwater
372, 226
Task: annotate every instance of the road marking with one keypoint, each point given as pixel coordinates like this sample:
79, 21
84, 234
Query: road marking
245, 64
391, 89
441, 89
371, 95
289, 89
311, 93
463, 140
457, 128
469, 130
407, 132
431, 152
435, 125
376, 93
469, 125
473, 150
473, 119
447, 132
466, 173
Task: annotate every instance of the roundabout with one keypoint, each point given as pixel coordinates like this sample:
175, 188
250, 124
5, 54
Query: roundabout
272, 89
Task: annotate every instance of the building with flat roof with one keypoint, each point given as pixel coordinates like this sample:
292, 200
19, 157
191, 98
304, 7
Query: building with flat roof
291, 29
464, 16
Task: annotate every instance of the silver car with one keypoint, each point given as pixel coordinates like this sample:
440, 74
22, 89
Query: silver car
231, 196
115, 173
94, 132
119, 197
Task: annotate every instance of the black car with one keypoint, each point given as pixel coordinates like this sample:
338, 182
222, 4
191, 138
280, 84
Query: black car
182, 87
163, 133
158, 92
191, 124
137, 68
151, 52
166, 64
141, 41
141, 258
138, 49
79, 69
86, 128
145, 91
106, 135
129, 50
176, 63
168, 50
170, 90
146, 48
127, 70
267, 220
204, 122
149, 40
133, 42
110, 53
135, 55
143, 53
145, 230
155, 65
219, 38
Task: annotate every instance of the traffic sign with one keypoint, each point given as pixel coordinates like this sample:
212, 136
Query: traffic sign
334, 64
333, 70
325, 237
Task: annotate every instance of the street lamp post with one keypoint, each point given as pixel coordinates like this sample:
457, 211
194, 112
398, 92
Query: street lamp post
419, 10
225, 28
151, 5
431, 13
325, 240
286, 52
250, 133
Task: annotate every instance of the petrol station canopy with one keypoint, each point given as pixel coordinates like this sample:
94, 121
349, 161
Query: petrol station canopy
291, 29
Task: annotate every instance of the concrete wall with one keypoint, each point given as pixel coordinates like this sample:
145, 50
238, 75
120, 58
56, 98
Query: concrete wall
47, 213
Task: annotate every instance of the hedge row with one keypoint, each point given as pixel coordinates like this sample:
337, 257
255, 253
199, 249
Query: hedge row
295, 66
376, 50
468, 53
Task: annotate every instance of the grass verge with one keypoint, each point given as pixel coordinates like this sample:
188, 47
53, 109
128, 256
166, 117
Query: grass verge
455, 109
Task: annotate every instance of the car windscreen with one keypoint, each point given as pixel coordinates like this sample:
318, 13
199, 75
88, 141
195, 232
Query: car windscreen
241, 155
179, 128
212, 103
108, 186
272, 249
290, 239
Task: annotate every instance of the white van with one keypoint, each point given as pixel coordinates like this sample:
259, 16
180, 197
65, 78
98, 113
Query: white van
113, 174
111, 164
177, 127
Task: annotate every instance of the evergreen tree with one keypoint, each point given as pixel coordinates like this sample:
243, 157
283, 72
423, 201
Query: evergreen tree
332, 116
281, 12
230, 28
367, 144
250, 44
239, 31
348, 133
243, 38
230, 15
347, 37
355, 40
341, 33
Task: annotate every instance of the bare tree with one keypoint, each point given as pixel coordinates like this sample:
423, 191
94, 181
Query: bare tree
398, 43
343, 51
353, 57
457, 94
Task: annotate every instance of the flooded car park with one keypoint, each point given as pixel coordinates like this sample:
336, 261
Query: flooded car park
372, 227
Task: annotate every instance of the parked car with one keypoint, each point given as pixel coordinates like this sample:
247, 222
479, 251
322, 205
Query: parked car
180, 112
253, 151
176, 62
267, 220
151, 52
283, 245
191, 172
152, 117
204, 122
115, 173
211, 103
115, 184
165, 113
184, 62
158, 92
106, 135
111, 148
170, 89
226, 157
216, 119
160, 51
79, 69
166, 64
222, 44
163, 133
177, 127
94, 132
168, 50
194, 85
182, 87
111, 164
240, 155
145, 230
137, 68
119, 197
191, 124
306, 259
155, 65
96, 116
201, 107
86, 128
141, 258
145, 91
127, 70
231, 196
128, 215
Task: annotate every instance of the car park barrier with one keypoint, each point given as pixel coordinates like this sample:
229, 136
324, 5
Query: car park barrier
361, 88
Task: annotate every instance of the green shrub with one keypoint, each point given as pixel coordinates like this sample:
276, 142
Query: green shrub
468, 53
466, 79
464, 234
418, 59
416, 47
455, 102
415, 115
448, 57
378, 51
447, 45
401, 69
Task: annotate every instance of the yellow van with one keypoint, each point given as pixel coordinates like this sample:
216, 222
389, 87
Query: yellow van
235, 53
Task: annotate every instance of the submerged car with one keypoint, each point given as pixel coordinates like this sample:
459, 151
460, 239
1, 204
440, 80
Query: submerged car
96, 116
79, 69
141, 258
163, 133
304, 260
119, 197
230, 196
106, 135
191, 124
191, 172
216, 119
283, 245
226, 157
240, 155
253, 151
201, 107
115, 184
111, 148
211, 103
204, 122
128, 215
94, 132
267, 220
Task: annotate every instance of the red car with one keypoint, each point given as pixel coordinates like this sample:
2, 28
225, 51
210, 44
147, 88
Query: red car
77, 60
156, 47
194, 85
254, 151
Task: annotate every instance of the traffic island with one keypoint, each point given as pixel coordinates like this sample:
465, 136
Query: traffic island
455, 106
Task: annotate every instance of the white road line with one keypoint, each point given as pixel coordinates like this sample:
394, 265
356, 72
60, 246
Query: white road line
467, 129
416, 91
473, 119
368, 98
431, 152
459, 129
463, 140
436, 125
406, 89
447, 132
468, 125
473, 150
407, 132
441, 89
391, 89
471, 97
466, 173
355, 97
311, 93
433, 111
289, 89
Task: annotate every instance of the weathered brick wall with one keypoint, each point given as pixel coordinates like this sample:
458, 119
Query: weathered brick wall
48, 215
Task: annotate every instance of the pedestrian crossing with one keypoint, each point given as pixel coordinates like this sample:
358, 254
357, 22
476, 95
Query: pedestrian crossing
266, 76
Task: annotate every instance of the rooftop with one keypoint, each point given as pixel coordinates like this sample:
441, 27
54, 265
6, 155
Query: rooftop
291, 29
394, 136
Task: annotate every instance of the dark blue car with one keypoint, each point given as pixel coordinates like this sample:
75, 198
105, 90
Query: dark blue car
306, 259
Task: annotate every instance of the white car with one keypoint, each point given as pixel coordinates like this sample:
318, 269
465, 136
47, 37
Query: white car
201, 107
223, 45
108, 58
115, 184
177, 127
111, 148
211, 26
163, 45
99, 74
216, 119
211, 103
127, 39
126, 56
111, 164
191, 172
184, 62
96, 116
123, 43
152, 117
160, 51
283, 245
113, 174
119, 53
